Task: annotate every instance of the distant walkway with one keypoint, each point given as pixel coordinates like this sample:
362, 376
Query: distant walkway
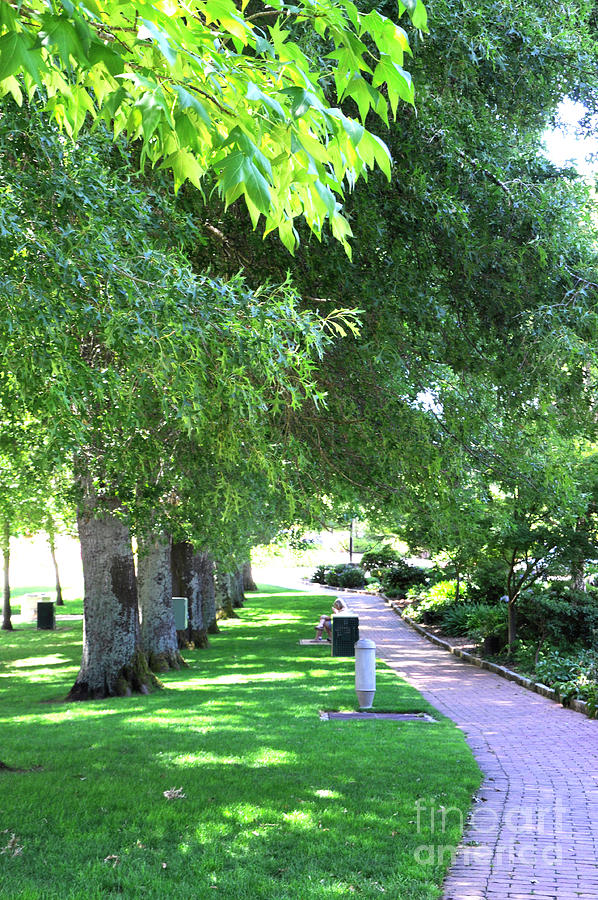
534, 831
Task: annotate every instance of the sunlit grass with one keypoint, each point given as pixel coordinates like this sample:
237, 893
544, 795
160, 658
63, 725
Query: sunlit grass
278, 804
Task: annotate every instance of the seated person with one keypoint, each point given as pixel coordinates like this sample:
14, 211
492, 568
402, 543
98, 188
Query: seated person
325, 623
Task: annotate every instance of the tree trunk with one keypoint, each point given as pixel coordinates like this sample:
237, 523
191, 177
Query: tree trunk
248, 582
512, 594
187, 582
154, 581
237, 594
113, 663
6, 610
52, 544
578, 563
224, 600
512, 622
205, 568
577, 575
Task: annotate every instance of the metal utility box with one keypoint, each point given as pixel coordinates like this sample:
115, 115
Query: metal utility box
181, 613
345, 634
46, 618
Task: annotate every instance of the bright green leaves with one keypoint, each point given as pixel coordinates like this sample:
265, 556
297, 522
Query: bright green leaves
16, 55
240, 174
58, 34
185, 167
417, 12
397, 80
212, 92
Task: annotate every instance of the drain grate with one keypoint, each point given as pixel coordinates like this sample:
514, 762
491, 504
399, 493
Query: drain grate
325, 715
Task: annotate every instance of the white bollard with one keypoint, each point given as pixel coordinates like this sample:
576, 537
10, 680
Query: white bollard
365, 672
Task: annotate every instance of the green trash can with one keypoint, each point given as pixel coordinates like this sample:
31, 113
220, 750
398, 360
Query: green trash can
46, 618
345, 634
181, 610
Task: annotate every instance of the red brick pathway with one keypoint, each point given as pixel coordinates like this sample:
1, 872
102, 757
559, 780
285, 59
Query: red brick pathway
533, 833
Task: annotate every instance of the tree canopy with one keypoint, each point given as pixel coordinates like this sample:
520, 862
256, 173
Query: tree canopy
224, 93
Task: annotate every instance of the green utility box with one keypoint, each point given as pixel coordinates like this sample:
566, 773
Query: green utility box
181, 610
46, 618
345, 634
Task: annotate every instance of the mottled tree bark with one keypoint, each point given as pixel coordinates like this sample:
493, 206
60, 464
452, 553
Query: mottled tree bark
6, 610
154, 582
248, 582
229, 591
186, 582
222, 598
113, 663
204, 562
235, 580
52, 545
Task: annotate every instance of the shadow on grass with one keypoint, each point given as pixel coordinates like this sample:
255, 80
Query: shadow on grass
278, 803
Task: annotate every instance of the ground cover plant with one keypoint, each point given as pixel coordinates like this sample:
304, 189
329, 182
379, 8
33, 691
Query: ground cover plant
226, 783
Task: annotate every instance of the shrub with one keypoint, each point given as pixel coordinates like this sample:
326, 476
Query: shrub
454, 618
380, 558
319, 575
488, 620
352, 577
345, 575
373, 585
573, 676
437, 600
558, 614
333, 577
396, 581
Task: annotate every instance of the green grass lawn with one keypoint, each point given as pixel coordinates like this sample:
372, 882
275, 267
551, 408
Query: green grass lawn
278, 804
73, 602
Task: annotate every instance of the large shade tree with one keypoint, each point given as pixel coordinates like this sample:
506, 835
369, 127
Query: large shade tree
110, 336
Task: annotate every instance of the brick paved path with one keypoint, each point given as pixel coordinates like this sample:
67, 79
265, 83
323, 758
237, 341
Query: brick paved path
534, 832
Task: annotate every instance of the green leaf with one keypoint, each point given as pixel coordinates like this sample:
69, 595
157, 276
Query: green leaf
14, 53
190, 101
254, 93
417, 12
152, 111
288, 235
11, 86
237, 170
302, 101
225, 12
161, 38
101, 53
184, 167
59, 33
398, 81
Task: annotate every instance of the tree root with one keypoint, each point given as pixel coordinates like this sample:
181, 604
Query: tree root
134, 678
164, 662
199, 637
227, 612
